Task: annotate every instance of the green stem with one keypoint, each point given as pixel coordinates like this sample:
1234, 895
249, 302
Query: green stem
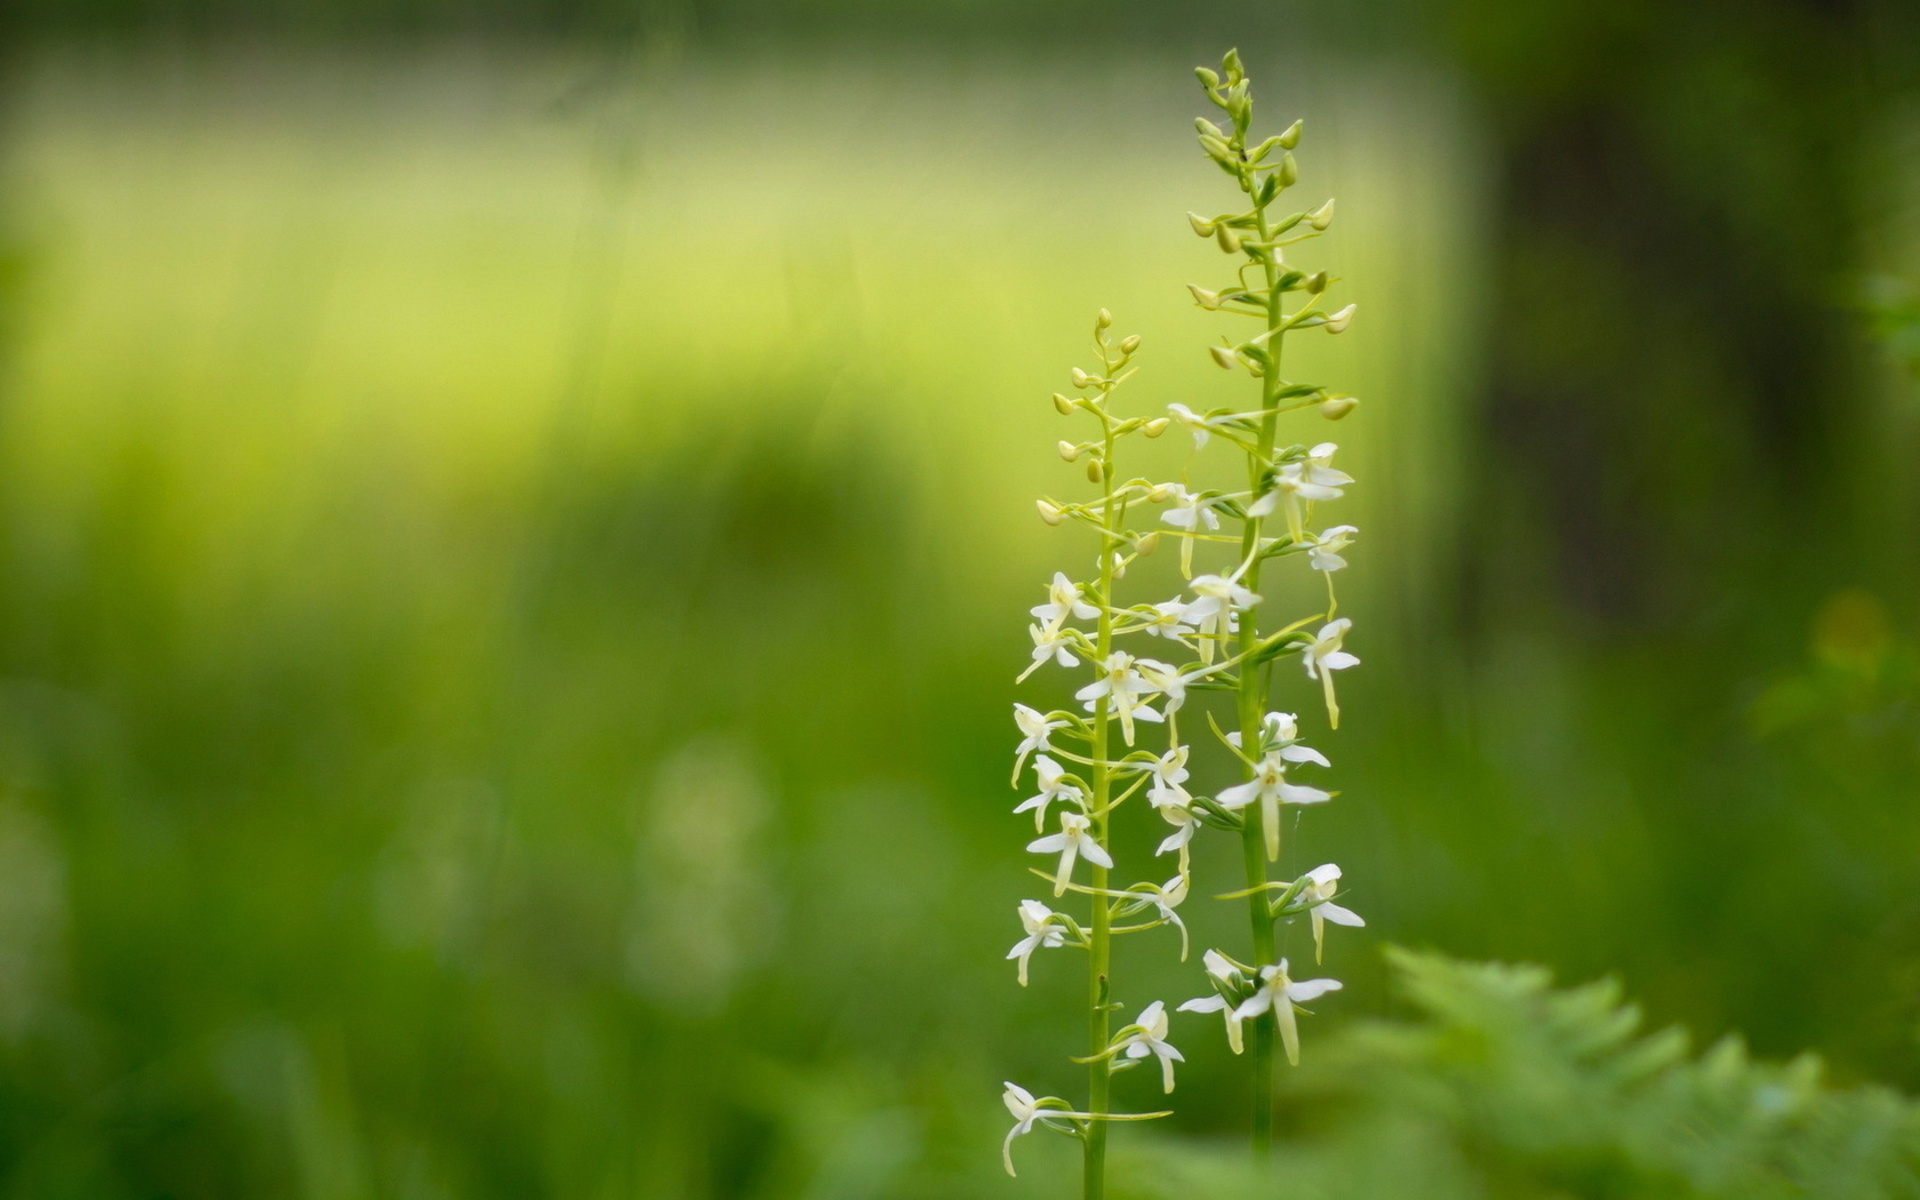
1099, 998
1252, 707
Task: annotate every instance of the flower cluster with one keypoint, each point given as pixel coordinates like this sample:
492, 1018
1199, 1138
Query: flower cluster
1145, 660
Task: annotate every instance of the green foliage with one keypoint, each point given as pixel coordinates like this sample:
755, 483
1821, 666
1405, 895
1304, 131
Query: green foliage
1509, 1088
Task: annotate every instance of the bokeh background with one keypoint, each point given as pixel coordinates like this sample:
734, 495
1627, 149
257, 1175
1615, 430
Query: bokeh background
515, 533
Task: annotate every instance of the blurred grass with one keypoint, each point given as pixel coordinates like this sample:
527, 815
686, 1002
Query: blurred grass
510, 573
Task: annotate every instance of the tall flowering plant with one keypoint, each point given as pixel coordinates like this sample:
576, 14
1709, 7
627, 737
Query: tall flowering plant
1151, 663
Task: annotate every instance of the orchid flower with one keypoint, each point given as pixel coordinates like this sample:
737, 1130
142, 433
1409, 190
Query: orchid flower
1277, 993
1323, 885
1216, 598
1035, 731
1168, 621
1323, 550
1280, 733
1294, 482
1149, 1036
1063, 600
1270, 788
1053, 786
1041, 924
1073, 841
1125, 688
1229, 978
1026, 1111
1323, 656
1048, 643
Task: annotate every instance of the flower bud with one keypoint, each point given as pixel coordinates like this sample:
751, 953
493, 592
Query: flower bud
1050, 513
1102, 319
1094, 473
1338, 406
1228, 239
1202, 125
1069, 451
1289, 172
1148, 544
1160, 493
1216, 148
1338, 322
1321, 217
1130, 343
1080, 378
1200, 224
1062, 405
1290, 136
1204, 298
1155, 427
1206, 77
1316, 282
1224, 356
1230, 63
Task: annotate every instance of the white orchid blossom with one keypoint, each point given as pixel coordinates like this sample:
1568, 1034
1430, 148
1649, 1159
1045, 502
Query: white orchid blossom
1054, 785
1048, 643
1280, 733
1035, 730
1323, 549
1269, 787
1063, 601
1277, 993
1150, 1037
1169, 771
1043, 931
1073, 841
1168, 680
1202, 427
1297, 482
1166, 898
1230, 976
1026, 1112
1216, 599
1323, 884
1323, 656
1126, 690
1168, 621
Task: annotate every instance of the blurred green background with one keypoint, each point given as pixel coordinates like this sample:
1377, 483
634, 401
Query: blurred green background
515, 533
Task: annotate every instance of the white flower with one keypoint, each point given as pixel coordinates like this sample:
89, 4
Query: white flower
1323, 886
1048, 642
1280, 733
1126, 690
1167, 897
1035, 731
1323, 656
1053, 786
1063, 600
1323, 551
1269, 786
1169, 771
1167, 680
1314, 479
1202, 426
1167, 621
1038, 920
1278, 994
1026, 1111
1216, 598
1151, 1038
1221, 968
1073, 841
1190, 510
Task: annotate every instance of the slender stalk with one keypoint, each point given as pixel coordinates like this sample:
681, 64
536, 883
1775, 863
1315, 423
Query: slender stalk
1099, 959
1252, 708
